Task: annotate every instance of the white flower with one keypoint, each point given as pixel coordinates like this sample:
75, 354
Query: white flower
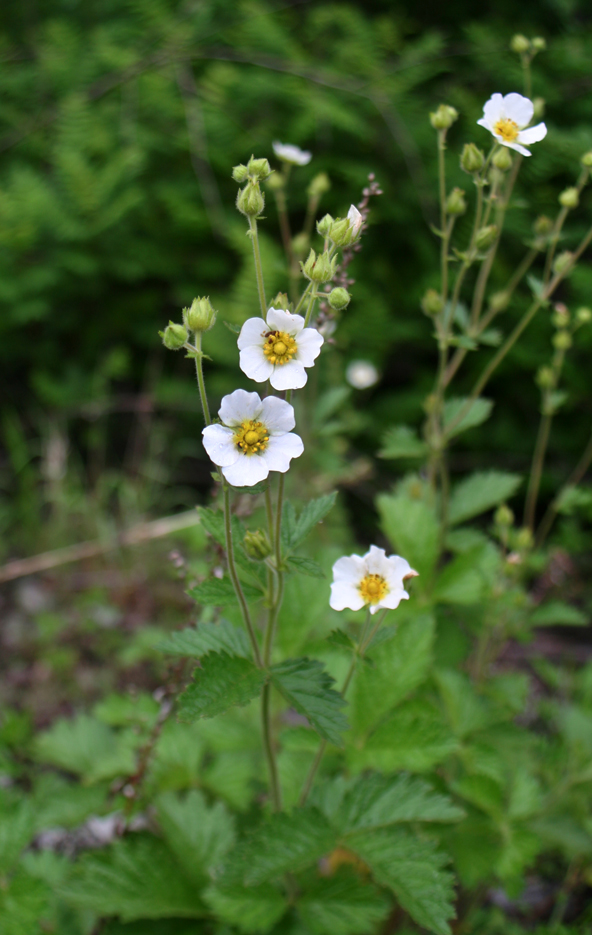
506, 117
278, 350
372, 579
287, 152
355, 220
254, 438
361, 374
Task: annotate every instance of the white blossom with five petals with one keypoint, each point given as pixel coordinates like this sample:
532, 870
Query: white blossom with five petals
278, 349
373, 580
254, 438
507, 118
287, 152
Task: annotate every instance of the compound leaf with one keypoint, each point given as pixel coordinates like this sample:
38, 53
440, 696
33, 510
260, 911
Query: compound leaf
205, 638
342, 905
221, 682
306, 686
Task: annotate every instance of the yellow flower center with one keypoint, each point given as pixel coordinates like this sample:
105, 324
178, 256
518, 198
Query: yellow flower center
251, 437
279, 347
507, 129
373, 588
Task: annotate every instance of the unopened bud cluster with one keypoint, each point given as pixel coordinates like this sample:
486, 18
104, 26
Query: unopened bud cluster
472, 159
200, 316
319, 267
250, 200
522, 45
443, 117
257, 545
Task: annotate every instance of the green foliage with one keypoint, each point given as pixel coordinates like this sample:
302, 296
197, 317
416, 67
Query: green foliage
22, 902
220, 591
199, 836
306, 685
296, 529
376, 801
401, 441
342, 905
476, 413
250, 908
221, 682
207, 637
412, 529
87, 747
480, 492
16, 831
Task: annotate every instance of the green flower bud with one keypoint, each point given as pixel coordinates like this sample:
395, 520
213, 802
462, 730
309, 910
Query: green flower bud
339, 298
520, 44
583, 315
472, 159
250, 201
486, 237
499, 301
240, 174
340, 232
560, 316
200, 316
281, 301
523, 540
502, 160
300, 244
259, 169
443, 117
539, 44
455, 203
542, 226
324, 225
562, 340
257, 545
586, 159
503, 516
539, 105
569, 198
563, 262
545, 378
174, 336
319, 185
432, 303
319, 268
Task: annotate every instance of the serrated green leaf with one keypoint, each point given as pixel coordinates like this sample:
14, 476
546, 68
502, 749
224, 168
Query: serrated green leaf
222, 682
476, 414
135, 878
558, 613
198, 835
295, 530
376, 801
342, 905
413, 531
250, 908
87, 747
16, 830
413, 870
306, 686
401, 441
481, 492
220, 591
341, 639
305, 566
23, 901
205, 638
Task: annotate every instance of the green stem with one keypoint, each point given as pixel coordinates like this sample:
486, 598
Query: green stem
302, 299
443, 222
235, 579
557, 227
573, 479
313, 297
540, 449
274, 779
200, 380
258, 267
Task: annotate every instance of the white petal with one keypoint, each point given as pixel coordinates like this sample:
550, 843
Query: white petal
399, 570
376, 562
350, 569
217, 440
391, 600
492, 111
252, 332
532, 134
355, 219
280, 450
488, 124
290, 153
515, 146
246, 471
345, 595
280, 320
254, 364
277, 415
309, 342
518, 108
290, 376
238, 406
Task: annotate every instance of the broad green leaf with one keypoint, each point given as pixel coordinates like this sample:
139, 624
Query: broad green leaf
285, 843
476, 413
250, 908
87, 747
342, 905
467, 711
306, 686
24, 900
136, 878
412, 529
177, 756
520, 848
305, 566
16, 830
377, 801
483, 792
297, 529
340, 638
221, 682
139, 710
480, 492
198, 835
220, 591
413, 870
207, 637
59, 803
398, 667
558, 613
459, 582
213, 522
573, 498
401, 441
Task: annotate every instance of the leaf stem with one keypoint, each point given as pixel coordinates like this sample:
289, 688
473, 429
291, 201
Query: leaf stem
258, 267
200, 379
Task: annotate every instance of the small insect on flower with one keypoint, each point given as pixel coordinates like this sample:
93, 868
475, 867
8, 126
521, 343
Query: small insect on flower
279, 349
255, 438
373, 580
507, 117
287, 152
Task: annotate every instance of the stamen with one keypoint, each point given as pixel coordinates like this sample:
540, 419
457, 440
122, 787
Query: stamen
279, 347
251, 437
507, 129
373, 588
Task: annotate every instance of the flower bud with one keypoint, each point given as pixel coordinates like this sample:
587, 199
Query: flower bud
499, 301
240, 174
339, 298
257, 545
200, 316
562, 340
569, 198
586, 159
250, 201
276, 181
319, 185
538, 105
432, 303
455, 203
583, 315
503, 516
259, 169
545, 378
523, 540
174, 336
443, 117
319, 268
519, 44
300, 244
486, 237
542, 226
281, 301
472, 159
560, 316
324, 225
502, 159
563, 262
539, 44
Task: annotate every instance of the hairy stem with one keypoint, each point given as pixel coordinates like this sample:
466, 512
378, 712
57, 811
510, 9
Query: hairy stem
200, 380
235, 579
258, 267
